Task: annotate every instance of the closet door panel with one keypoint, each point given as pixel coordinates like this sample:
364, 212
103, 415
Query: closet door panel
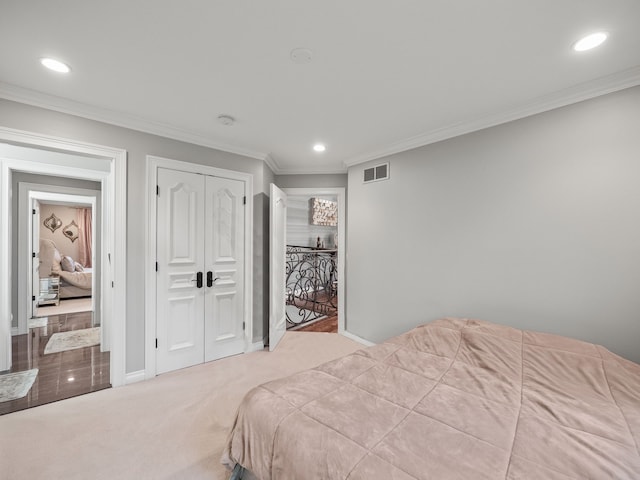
224, 253
180, 302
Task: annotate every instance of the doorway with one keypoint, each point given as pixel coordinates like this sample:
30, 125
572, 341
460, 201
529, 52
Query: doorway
63, 266
57, 348
199, 281
68, 220
308, 247
32, 153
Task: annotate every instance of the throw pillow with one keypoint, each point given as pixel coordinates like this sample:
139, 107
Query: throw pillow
67, 264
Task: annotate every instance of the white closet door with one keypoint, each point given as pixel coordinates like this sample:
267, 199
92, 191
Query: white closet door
180, 250
224, 253
277, 262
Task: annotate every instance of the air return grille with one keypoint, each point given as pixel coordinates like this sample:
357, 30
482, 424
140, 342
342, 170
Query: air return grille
377, 173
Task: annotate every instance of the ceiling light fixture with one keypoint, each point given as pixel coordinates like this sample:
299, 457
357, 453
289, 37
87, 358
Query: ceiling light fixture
590, 41
319, 147
55, 65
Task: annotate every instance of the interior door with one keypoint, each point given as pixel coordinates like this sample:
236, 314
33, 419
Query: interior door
277, 261
180, 250
35, 256
224, 253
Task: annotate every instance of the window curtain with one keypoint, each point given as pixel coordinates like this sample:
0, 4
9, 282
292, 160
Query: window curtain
85, 236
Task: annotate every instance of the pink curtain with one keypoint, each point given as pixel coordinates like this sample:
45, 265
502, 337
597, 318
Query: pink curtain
85, 236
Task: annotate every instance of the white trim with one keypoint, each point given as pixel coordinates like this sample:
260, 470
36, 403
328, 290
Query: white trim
584, 91
119, 119
5, 270
153, 163
356, 338
114, 228
38, 191
311, 171
272, 164
14, 331
340, 193
135, 377
256, 347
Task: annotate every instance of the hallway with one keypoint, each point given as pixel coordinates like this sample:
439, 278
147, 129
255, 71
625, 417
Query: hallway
63, 374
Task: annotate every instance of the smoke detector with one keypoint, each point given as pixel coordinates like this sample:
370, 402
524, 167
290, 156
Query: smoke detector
301, 55
226, 120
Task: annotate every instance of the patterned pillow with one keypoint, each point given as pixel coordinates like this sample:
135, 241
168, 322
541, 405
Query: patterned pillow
67, 264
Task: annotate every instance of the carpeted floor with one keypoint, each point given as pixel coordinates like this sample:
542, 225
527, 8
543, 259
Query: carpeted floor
171, 427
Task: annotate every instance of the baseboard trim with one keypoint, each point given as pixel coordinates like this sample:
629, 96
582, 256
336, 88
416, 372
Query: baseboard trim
14, 331
255, 347
356, 338
134, 377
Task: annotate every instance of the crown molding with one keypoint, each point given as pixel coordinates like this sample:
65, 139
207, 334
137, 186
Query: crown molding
578, 93
105, 115
584, 91
272, 164
278, 170
311, 171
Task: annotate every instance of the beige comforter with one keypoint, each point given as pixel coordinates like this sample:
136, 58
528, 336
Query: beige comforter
77, 279
453, 399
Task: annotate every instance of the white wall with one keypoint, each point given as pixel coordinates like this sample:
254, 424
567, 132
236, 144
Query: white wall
300, 232
535, 224
312, 181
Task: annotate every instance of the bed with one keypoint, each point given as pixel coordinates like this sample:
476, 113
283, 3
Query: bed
75, 279
452, 399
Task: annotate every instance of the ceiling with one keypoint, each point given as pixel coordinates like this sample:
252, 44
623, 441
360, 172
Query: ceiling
385, 76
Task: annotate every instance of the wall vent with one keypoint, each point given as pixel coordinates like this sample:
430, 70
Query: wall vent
377, 173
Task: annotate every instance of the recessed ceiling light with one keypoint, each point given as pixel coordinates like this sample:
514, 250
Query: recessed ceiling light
319, 147
590, 41
55, 65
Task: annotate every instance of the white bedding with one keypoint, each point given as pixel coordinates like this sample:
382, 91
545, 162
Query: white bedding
78, 279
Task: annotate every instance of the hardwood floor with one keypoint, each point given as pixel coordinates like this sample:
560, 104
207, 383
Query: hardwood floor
327, 325
323, 306
60, 375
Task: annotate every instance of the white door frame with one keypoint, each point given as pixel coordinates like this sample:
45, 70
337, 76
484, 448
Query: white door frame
41, 192
340, 193
114, 231
153, 163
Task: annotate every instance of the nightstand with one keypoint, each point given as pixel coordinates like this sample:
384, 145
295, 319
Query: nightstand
49, 291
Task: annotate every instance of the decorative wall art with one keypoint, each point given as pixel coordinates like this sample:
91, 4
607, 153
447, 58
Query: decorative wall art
324, 212
71, 231
52, 222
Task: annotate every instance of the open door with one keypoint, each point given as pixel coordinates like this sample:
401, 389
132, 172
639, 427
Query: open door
277, 260
35, 256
